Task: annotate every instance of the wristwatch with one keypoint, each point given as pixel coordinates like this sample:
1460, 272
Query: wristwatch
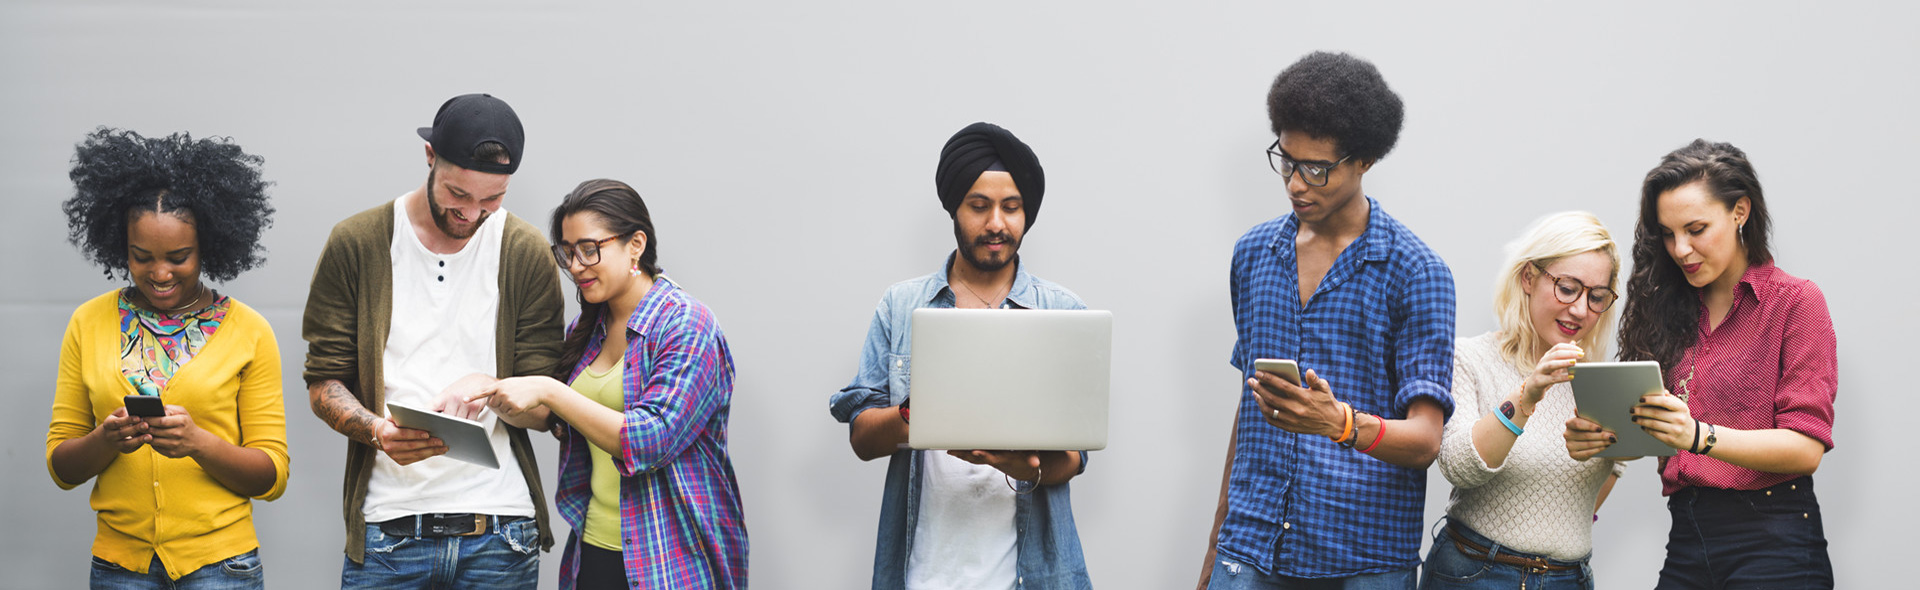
1708, 447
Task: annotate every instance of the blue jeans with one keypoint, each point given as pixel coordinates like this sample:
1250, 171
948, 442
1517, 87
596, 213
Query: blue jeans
240, 572
1447, 567
506, 557
1769, 538
1229, 575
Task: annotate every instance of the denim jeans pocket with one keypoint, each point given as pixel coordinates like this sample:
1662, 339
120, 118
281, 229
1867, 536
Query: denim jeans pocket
522, 535
1446, 564
245, 565
379, 541
1783, 501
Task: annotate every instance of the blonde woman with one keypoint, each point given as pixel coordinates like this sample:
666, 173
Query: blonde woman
1523, 510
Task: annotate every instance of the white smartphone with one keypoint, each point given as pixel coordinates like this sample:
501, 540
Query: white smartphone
1286, 369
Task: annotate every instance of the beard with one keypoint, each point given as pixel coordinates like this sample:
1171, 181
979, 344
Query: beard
990, 262
444, 220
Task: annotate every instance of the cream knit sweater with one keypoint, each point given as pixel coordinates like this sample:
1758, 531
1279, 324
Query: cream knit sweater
1540, 500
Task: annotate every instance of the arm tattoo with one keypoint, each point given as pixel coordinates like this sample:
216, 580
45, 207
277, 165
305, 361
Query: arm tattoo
341, 410
1506, 408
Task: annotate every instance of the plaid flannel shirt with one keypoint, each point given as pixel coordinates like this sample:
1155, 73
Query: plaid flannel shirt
680, 515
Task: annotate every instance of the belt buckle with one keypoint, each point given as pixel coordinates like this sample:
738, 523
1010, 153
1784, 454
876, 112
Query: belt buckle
479, 526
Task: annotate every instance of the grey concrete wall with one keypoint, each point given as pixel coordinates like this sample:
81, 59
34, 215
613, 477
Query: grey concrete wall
787, 152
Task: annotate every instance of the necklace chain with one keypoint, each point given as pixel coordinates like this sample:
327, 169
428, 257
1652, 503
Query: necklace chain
983, 300
196, 299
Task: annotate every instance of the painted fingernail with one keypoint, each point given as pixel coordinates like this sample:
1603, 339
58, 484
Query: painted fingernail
1611, 439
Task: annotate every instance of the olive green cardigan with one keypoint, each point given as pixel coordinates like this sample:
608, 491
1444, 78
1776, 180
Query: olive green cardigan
350, 307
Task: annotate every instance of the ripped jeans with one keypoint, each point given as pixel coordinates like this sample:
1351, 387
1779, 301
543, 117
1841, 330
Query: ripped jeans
506, 557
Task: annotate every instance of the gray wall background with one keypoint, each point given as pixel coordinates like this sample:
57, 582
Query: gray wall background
787, 153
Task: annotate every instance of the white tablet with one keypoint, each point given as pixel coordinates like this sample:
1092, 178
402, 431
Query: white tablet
1607, 392
466, 440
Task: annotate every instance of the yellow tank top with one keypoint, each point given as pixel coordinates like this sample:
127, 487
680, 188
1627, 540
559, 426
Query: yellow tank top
603, 510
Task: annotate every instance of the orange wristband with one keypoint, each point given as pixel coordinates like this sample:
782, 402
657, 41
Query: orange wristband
1346, 431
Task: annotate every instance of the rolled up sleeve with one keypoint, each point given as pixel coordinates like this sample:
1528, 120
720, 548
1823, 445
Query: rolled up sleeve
1425, 357
1809, 369
870, 386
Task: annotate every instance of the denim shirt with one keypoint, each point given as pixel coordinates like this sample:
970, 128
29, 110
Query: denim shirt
1048, 552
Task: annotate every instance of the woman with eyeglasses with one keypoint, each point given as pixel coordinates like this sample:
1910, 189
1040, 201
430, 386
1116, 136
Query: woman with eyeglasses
640, 405
1523, 511
168, 394
1748, 353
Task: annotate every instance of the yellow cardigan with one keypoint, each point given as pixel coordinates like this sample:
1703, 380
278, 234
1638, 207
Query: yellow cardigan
148, 503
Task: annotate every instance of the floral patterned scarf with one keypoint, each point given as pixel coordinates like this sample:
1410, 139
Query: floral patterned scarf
154, 345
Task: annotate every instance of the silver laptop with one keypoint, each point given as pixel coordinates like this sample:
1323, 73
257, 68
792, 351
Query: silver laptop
1005, 379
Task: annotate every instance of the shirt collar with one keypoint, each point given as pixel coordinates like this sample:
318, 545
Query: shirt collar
651, 303
1757, 276
1021, 295
1376, 242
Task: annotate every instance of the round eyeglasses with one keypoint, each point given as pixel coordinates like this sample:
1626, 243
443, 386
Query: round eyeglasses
1312, 173
1567, 290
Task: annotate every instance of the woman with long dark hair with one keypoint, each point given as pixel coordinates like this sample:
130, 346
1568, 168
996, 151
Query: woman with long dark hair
169, 391
1748, 354
640, 403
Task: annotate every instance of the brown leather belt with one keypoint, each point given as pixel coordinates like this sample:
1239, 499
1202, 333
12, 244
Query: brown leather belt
1478, 553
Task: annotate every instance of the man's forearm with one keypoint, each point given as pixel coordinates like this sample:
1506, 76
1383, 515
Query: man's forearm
343, 412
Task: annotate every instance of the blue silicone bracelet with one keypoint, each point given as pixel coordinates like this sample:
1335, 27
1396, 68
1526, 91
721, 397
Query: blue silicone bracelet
1510, 426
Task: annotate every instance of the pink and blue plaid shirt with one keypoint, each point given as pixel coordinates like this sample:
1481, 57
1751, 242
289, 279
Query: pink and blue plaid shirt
680, 517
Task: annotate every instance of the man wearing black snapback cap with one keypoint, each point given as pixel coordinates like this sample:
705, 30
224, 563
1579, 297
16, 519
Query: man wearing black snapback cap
421, 301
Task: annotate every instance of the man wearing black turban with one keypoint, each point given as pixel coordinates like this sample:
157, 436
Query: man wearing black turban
946, 518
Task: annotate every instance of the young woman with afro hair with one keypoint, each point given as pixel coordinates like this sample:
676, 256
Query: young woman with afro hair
168, 394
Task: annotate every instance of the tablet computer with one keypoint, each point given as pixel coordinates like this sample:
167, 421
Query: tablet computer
466, 440
1607, 392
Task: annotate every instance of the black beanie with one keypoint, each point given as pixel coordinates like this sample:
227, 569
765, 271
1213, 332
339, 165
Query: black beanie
977, 148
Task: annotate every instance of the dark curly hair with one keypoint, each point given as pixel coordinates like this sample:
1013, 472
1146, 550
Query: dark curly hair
624, 213
209, 183
1663, 311
1337, 96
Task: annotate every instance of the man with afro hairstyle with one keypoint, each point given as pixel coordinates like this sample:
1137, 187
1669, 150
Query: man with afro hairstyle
1325, 481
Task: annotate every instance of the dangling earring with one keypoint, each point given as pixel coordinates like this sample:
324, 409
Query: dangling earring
636, 267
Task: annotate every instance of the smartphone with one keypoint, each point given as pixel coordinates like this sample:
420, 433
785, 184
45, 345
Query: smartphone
1286, 369
145, 406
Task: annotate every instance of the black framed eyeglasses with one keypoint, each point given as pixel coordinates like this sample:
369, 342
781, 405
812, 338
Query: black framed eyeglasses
1313, 173
585, 251
1567, 290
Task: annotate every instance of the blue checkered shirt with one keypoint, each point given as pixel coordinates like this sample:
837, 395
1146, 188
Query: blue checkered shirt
1379, 328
